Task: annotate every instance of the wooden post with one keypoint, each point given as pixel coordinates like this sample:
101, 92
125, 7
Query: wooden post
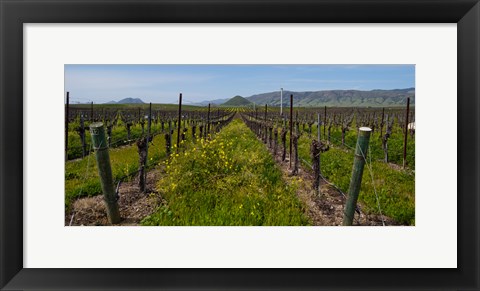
357, 172
66, 125
99, 143
146, 147
406, 134
291, 128
179, 120
208, 122
265, 132
324, 121
281, 101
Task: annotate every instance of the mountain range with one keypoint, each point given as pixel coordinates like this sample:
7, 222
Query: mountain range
337, 98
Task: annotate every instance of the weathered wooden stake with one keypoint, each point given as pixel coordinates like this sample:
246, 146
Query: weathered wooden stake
324, 121
265, 126
291, 128
357, 172
406, 135
99, 143
66, 125
146, 146
208, 122
180, 121
281, 101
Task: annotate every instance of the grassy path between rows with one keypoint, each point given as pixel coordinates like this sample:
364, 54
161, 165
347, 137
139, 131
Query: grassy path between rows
231, 179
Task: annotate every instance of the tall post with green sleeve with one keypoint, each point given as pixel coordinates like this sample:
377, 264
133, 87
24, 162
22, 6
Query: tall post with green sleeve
99, 144
357, 172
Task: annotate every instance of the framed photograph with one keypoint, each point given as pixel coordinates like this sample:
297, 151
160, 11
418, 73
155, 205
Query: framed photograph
199, 89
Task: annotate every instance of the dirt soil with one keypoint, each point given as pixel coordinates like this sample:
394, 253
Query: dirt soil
133, 204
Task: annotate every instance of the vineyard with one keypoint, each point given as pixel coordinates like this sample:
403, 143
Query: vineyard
188, 165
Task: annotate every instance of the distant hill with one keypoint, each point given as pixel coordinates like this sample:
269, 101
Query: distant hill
237, 101
128, 101
338, 98
215, 101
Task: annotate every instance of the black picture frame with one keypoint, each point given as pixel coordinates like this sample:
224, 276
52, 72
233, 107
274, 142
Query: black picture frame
14, 13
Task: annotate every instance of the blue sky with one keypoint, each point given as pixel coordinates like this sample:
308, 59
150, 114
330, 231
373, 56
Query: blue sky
163, 83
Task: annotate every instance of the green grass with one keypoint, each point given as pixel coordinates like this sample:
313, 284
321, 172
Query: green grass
229, 180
